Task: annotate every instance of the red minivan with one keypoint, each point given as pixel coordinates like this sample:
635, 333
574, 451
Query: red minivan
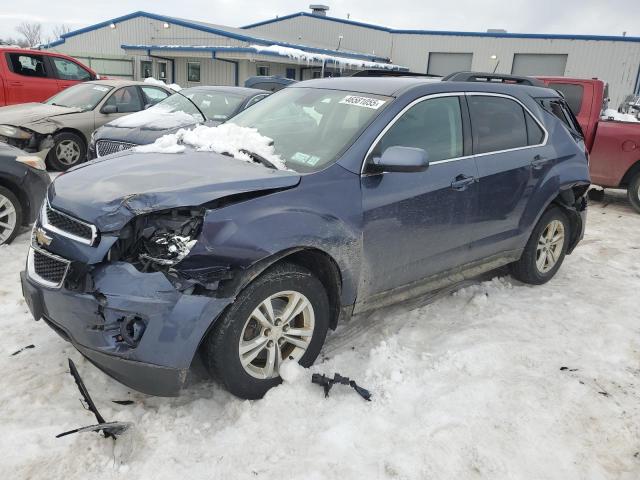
34, 75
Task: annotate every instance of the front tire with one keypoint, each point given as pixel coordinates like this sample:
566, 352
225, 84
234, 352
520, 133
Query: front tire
545, 250
633, 192
282, 315
68, 150
10, 216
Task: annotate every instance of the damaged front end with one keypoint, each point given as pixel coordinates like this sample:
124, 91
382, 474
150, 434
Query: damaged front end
135, 314
158, 242
26, 139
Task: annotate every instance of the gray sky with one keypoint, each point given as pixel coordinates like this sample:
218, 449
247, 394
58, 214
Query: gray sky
603, 17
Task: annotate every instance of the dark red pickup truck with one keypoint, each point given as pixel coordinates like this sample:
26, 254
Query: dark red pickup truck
614, 146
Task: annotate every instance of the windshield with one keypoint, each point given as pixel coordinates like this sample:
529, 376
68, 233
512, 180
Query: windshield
218, 106
84, 96
310, 128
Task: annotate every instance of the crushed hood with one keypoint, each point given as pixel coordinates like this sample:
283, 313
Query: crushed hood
28, 113
111, 191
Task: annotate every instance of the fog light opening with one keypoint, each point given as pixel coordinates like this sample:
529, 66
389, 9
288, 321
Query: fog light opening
131, 330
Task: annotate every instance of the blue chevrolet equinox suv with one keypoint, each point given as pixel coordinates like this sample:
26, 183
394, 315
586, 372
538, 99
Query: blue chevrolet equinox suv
394, 187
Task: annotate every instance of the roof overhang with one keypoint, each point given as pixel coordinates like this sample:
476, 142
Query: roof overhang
287, 55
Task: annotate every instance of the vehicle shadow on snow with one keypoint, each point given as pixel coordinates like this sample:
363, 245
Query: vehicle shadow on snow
372, 324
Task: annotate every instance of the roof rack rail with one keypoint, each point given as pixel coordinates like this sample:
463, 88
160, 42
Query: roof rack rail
492, 77
372, 72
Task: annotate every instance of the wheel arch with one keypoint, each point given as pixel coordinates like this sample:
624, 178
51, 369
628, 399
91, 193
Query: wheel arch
571, 200
319, 262
20, 195
630, 174
75, 131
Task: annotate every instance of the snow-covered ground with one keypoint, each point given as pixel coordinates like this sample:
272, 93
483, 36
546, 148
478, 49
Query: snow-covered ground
469, 385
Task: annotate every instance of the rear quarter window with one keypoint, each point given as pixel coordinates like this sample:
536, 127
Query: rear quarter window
572, 94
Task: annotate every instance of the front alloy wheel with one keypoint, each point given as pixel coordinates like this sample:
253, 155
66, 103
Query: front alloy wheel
10, 215
282, 315
278, 329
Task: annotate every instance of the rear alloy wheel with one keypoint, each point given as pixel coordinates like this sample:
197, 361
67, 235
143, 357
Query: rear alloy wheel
10, 215
68, 151
545, 250
633, 192
282, 315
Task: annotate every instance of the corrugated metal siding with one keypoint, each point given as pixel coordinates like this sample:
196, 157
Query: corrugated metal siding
323, 34
212, 72
140, 31
614, 62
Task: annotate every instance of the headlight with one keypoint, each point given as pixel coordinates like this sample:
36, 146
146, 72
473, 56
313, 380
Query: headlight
14, 132
167, 249
32, 160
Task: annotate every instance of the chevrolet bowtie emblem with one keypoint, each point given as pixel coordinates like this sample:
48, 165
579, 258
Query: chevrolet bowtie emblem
42, 238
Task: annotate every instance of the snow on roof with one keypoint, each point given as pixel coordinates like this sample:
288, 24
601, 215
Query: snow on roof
301, 55
154, 81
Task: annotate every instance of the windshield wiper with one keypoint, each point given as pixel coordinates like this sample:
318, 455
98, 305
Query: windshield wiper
204, 117
259, 158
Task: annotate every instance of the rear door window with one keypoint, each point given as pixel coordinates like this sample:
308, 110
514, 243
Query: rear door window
435, 125
499, 123
153, 95
126, 100
68, 70
28, 65
572, 94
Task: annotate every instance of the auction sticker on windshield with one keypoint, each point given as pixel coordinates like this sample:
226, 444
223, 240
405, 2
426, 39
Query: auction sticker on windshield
100, 88
366, 102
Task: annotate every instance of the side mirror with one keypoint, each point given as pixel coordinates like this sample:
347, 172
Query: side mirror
107, 109
402, 159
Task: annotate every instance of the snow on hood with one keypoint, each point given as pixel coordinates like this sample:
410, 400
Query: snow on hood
155, 81
227, 138
155, 118
619, 117
301, 55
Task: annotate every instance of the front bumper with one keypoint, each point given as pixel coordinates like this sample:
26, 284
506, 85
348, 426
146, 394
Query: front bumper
175, 324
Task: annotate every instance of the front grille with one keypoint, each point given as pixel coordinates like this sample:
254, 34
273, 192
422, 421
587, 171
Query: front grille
47, 268
107, 147
68, 226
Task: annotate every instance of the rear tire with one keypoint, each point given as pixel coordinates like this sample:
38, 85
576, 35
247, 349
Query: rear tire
633, 192
249, 342
545, 250
10, 216
69, 150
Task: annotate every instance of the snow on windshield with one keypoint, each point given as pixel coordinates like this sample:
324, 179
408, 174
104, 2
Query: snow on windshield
619, 117
155, 118
227, 138
155, 81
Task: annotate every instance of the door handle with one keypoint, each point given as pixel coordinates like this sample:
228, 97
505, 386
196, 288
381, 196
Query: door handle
539, 162
461, 182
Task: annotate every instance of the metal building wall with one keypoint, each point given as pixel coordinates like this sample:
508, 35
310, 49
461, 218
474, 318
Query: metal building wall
615, 62
325, 34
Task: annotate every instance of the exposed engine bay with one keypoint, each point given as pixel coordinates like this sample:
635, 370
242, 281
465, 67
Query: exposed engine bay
158, 241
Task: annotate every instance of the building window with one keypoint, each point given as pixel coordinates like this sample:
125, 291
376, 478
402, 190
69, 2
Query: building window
193, 72
146, 68
291, 73
264, 70
316, 73
162, 70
